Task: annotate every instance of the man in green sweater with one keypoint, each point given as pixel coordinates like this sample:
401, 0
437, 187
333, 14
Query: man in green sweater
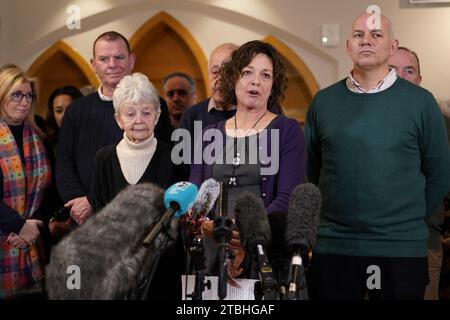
377, 148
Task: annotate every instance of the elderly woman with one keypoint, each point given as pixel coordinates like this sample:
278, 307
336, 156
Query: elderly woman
139, 157
24, 179
254, 80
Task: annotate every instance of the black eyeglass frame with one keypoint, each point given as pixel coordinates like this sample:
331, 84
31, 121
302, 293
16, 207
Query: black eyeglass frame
17, 96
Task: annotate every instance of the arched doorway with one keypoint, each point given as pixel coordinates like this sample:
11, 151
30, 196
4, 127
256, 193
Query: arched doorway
302, 86
162, 45
57, 66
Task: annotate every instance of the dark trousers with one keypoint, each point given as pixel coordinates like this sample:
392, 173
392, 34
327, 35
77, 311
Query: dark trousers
338, 277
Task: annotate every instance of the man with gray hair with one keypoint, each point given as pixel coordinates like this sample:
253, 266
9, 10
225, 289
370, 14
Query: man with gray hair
179, 90
377, 149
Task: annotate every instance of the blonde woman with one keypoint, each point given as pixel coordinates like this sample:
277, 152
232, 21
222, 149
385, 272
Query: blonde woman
25, 177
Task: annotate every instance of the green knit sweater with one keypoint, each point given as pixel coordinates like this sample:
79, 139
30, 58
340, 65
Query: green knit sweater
382, 163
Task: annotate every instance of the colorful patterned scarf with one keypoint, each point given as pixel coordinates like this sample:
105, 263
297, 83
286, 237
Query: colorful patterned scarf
24, 187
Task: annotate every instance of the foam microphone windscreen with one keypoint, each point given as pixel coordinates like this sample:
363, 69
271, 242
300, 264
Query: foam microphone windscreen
106, 249
252, 221
303, 217
206, 197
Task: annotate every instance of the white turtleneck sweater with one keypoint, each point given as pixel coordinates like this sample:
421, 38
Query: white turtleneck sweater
135, 157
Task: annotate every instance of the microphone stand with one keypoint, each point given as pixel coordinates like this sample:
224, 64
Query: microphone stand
222, 234
197, 252
303, 289
200, 285
297, 288
170, 228
148, 280
266, 288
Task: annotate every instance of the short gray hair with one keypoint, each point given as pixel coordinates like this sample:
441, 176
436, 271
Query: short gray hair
136, 88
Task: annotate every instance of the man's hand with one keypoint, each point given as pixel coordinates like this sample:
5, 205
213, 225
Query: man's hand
80, 209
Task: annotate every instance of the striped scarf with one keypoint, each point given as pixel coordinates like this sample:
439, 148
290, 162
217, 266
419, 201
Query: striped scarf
24, 186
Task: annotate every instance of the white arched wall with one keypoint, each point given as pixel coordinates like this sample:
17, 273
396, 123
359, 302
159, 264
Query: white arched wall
210, 25
295, 22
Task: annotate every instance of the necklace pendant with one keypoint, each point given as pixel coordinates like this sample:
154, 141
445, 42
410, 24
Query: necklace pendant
232, 181
236, 160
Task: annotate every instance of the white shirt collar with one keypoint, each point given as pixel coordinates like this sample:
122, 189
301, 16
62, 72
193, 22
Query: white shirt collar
102, 96
384, 84
212, 105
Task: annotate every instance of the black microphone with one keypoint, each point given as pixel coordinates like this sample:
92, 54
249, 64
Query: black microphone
255, 234
301, 230
104, 250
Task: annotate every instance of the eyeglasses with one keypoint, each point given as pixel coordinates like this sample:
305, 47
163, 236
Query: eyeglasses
18, 96
180, 92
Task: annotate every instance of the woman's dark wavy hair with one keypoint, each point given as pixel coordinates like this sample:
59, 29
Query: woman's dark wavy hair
230, 72
52, 127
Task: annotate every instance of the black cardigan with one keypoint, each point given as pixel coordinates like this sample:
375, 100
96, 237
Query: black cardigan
88, 126
108, 179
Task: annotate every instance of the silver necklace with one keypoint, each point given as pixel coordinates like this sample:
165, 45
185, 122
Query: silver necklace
237, 156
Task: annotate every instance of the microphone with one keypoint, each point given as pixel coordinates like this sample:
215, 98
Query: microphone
301, 230
255, 234
99, 260
178, 199
206, 198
